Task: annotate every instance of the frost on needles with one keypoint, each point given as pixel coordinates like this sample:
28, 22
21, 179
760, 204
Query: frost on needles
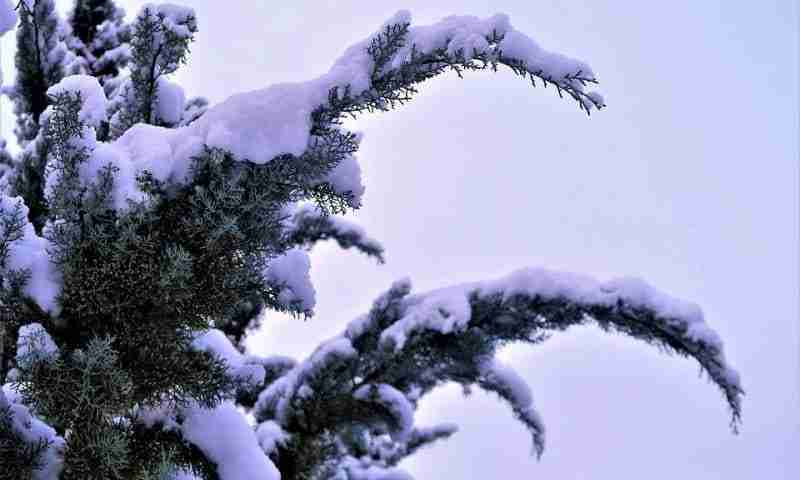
144, 233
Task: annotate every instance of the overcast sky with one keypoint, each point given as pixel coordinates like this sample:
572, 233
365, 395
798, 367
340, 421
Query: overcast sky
689, 180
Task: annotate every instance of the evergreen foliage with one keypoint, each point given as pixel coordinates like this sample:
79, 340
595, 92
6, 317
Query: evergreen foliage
139, 247
19, 456
88, 16
39, 62
159, 45
100, 39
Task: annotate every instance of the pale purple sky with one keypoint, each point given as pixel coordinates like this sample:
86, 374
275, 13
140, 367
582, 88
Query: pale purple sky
689, 180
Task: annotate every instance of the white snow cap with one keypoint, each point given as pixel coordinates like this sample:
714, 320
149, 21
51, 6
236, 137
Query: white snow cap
455, 33
277, 397
163, 413
346, 177
260, 125
184, 475
394, 401
34, 344
504, 380
174, 16
215, 342
171, 101
270, 435
33, 430
291, 272
447, 310
93, 110
30, 252
356, 469
226, 438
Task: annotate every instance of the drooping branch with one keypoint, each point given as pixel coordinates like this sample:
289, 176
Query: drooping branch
414, 343
308, 225
400, 63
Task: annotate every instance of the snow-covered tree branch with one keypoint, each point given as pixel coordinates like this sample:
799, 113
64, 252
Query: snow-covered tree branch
143, 236
373, 374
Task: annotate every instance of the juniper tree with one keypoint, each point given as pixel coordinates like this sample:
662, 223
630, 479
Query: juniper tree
39, 62
170, 229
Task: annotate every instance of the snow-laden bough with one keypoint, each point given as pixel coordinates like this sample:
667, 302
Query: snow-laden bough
280, 120
409, 344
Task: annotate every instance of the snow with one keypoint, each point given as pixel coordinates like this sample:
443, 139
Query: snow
30, 252
34, 344
171, 101
443, 311
59, 53
184, 475
346, 178
194, 109
142, 147
505, 381
162, 413
364, 470
448, 310
10, 393
346, 232
270, 435
519, 392
394, 401
217, 343
117, 54
263, 124
358, 326
364, 323
468, 35
93, 109
441, 430
291, 273
274, 365
276, 400
176, 17
634, 292
346, 227
32, 429
454, 33
522, 47
226, 438
260, 125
